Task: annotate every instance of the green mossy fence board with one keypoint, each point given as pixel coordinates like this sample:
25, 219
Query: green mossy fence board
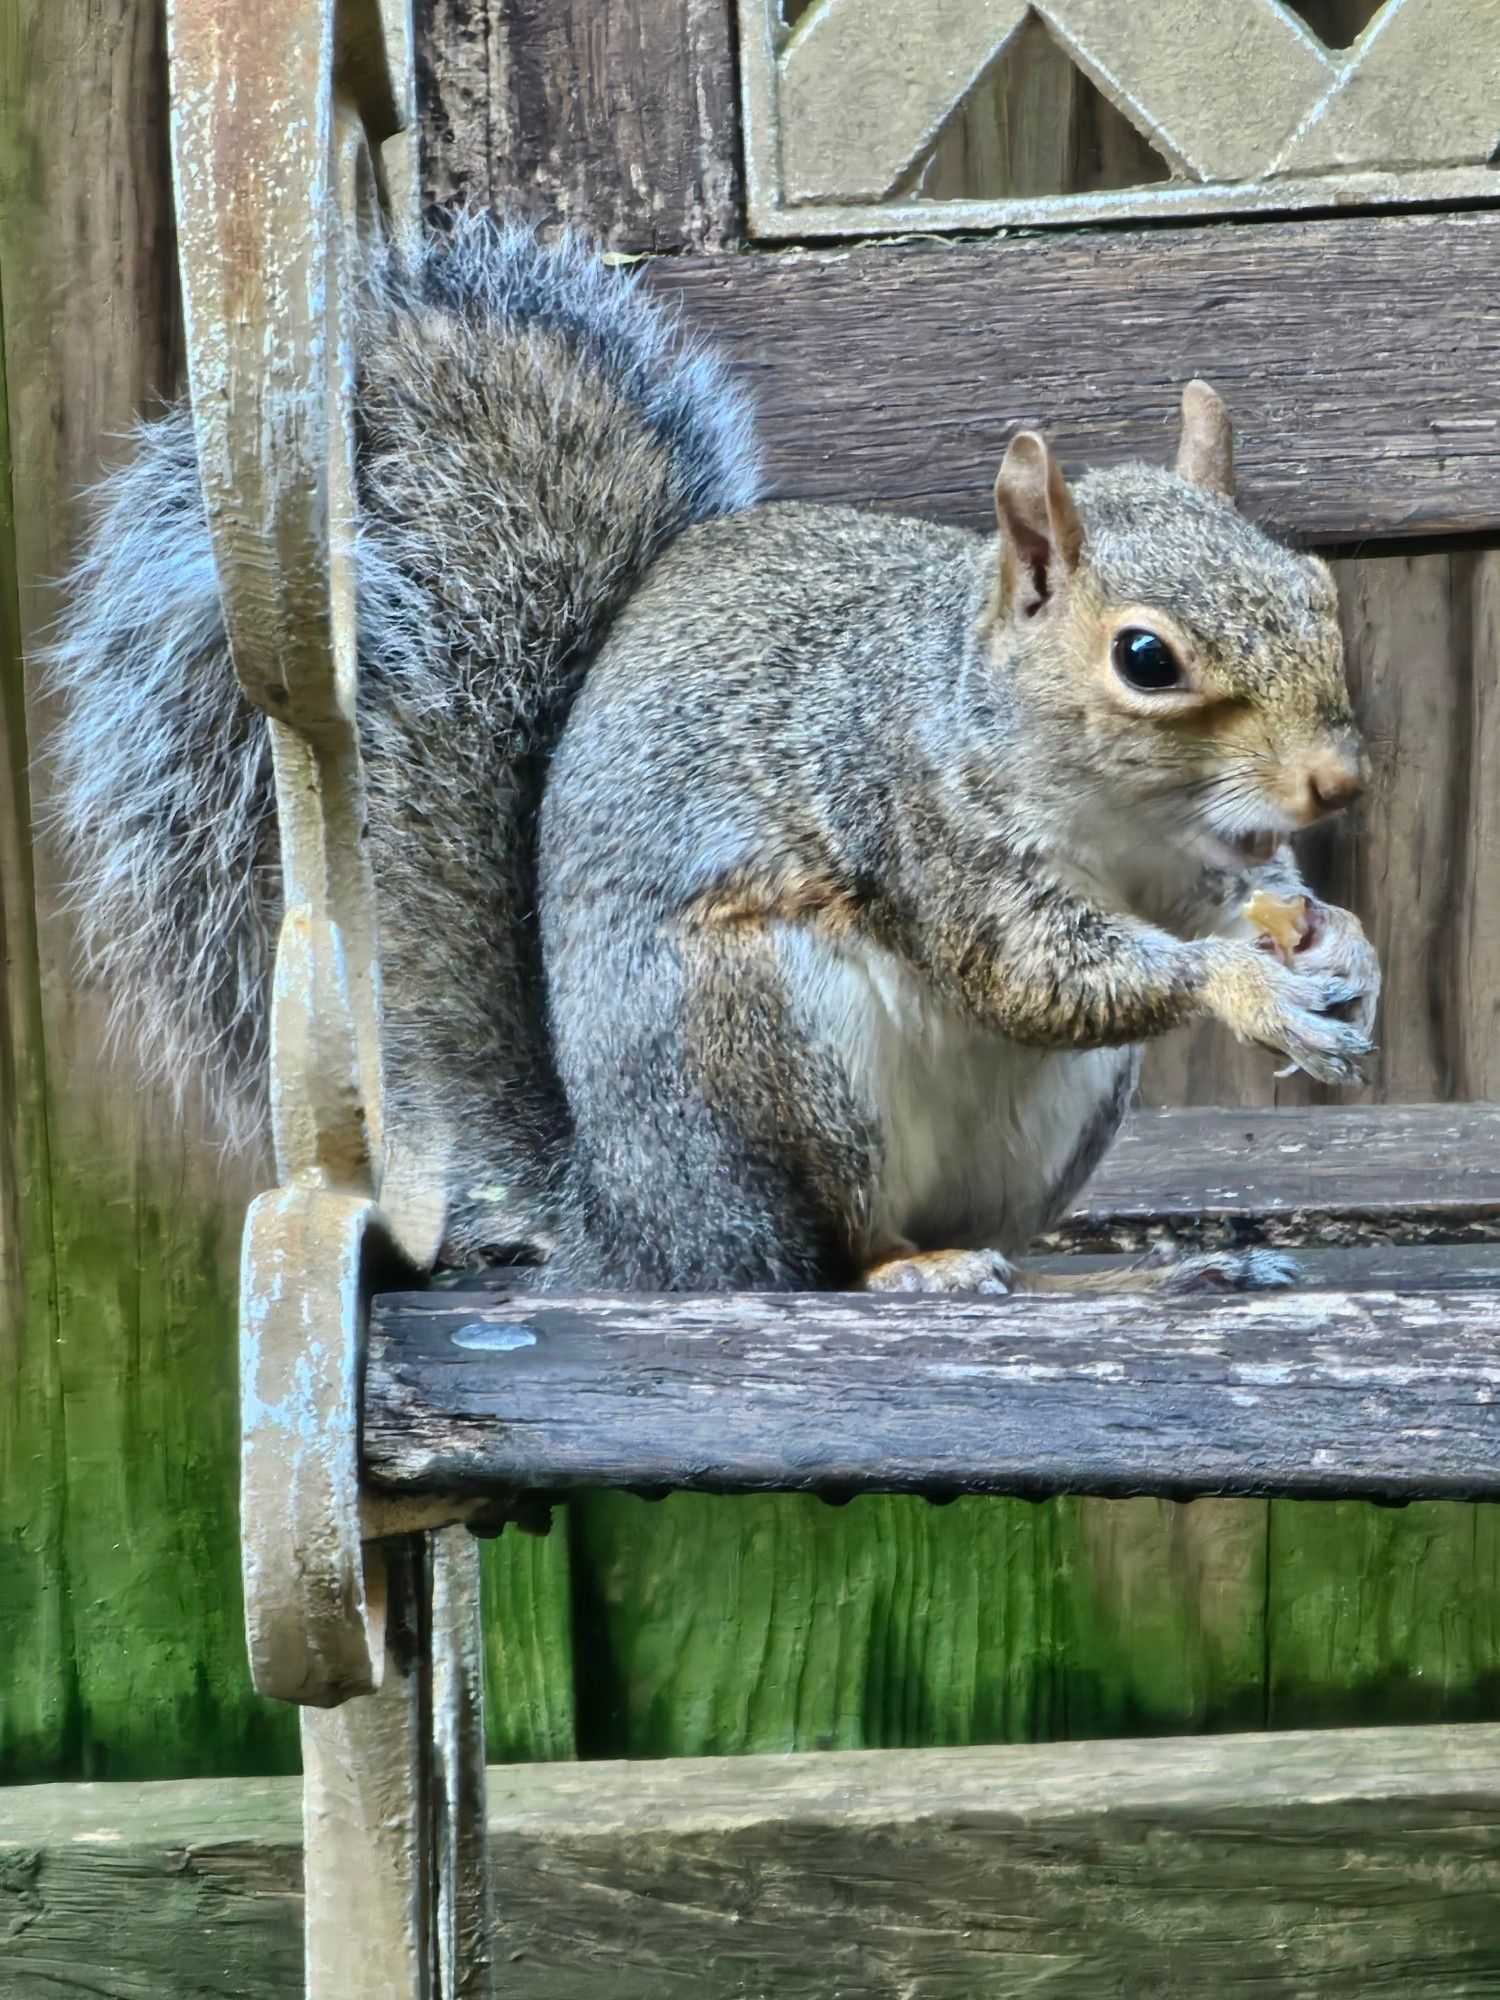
526, 1585
711, 1626
121, 1645
1378, 1613
147, 1346
38, 1690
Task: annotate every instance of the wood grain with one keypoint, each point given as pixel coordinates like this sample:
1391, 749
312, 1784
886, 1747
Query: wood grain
624, 118
119, 1622
1351, 1174
530, 1707
1035, 125
1475, 977
1266, 1867
32, 1435
891, 376
1317, 1394
1412, 665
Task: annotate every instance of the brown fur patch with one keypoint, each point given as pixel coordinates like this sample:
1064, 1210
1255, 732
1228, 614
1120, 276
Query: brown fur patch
793, 895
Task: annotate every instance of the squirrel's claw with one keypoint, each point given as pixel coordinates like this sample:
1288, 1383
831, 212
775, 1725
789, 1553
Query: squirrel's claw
1330, 1051
1339, 946
1293, 1010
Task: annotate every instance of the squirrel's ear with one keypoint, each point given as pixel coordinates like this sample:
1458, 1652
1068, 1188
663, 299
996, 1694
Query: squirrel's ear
1041, 537
1205, 450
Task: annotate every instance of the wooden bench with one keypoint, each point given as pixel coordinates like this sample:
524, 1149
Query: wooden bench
1281, 1862
1377, 1382
370, 1433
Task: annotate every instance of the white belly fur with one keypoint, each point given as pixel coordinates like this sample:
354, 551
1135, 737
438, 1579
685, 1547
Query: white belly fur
975, 1130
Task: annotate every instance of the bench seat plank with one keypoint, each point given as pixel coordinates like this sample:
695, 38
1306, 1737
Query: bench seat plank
1344, 1175
1386, 1395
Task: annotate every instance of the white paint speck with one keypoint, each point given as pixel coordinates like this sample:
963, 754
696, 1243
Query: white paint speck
493, 1339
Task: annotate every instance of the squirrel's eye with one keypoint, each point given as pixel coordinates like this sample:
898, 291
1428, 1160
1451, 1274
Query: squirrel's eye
1144, 661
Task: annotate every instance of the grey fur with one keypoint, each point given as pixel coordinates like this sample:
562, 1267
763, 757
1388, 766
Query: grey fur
811, 735
825, 772
160, 774
533, 432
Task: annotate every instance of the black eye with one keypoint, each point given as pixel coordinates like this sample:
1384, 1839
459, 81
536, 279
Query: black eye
1144, 661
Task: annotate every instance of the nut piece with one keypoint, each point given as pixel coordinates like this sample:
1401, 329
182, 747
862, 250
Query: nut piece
1284, 924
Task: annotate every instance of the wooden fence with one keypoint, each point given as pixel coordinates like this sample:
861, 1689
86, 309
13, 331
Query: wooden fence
695, 1624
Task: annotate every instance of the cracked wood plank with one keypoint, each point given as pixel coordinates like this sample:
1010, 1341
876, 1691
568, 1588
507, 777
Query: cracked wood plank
1360, 1865
1380, 1395
622, 118
1359, 357
1330, 1174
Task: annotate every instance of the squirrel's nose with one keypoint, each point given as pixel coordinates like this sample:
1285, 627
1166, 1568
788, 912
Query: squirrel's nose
1335, 778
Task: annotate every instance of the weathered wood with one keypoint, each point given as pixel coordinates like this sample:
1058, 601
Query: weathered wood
892, 376
122, 1646
1379, 1396
1474, 980
143, 1891
1364, 1863
1329, 1174
1379, 1267
1380, 1614
530, 1697
32, 1442
1423, 856
772, 1622
623, 117
1251, 111
981, 1875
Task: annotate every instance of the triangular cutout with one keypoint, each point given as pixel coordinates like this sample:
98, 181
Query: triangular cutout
1336, 23
1033, 125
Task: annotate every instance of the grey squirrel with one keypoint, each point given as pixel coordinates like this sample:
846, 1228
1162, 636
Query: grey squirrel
769, 896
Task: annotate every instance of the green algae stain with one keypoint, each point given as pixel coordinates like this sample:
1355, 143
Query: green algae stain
526, 1584
778, 1623
146, 1375
38, 1689
121, 1619
1383, 1614
715, 1626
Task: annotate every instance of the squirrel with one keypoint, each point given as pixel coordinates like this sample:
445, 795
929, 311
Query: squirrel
770, 895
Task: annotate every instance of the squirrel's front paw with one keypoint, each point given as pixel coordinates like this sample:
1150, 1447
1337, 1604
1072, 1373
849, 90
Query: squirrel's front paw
1288, 1008
940, 1271
1335, 942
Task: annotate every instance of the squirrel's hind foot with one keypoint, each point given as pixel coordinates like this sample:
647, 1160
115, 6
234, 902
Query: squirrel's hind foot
987, 1271
1229, 1271
941, 1271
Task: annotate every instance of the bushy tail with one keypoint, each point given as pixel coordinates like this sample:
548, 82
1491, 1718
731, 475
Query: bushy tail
159, 788
532, 433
